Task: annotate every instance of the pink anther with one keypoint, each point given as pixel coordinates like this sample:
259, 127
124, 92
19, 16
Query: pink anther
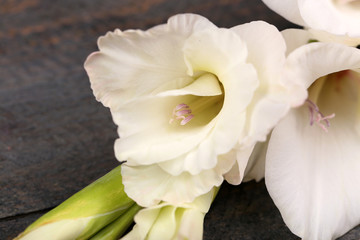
180, 106
186, 120
314, 111
181, 111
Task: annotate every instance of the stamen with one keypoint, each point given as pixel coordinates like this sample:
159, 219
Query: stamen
180, 106
186, 120
316, 116
181, 111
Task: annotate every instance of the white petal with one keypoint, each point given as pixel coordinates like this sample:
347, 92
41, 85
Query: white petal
271, 100
313, 176
309, 62
255, 169
266, 48
147, 114
191, 226
263, 115
156, 140
250, 164
214, 51
236, 173
200, 158
135, 63
237, 98
165, 225
148, 185
289, 9
203, 202
187, 24
329, 16
124, 70
142, 115
295, 38
145, 218
206, 85
324, 36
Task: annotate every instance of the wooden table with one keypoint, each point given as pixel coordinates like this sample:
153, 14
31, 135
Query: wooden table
55, 138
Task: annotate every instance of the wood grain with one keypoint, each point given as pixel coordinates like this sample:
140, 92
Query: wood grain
55, 138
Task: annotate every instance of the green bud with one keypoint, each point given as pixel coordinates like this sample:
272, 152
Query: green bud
85, 213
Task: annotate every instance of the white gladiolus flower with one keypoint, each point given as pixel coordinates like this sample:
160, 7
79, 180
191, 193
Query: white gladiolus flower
190, 101
328, 20
313, 158
166, 221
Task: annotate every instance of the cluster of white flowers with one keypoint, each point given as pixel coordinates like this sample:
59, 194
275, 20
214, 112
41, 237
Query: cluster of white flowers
195, 103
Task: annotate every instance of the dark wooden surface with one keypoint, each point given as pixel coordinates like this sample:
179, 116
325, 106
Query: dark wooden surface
55, 138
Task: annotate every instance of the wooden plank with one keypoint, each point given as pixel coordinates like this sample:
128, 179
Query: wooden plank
10, 227
245, 212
